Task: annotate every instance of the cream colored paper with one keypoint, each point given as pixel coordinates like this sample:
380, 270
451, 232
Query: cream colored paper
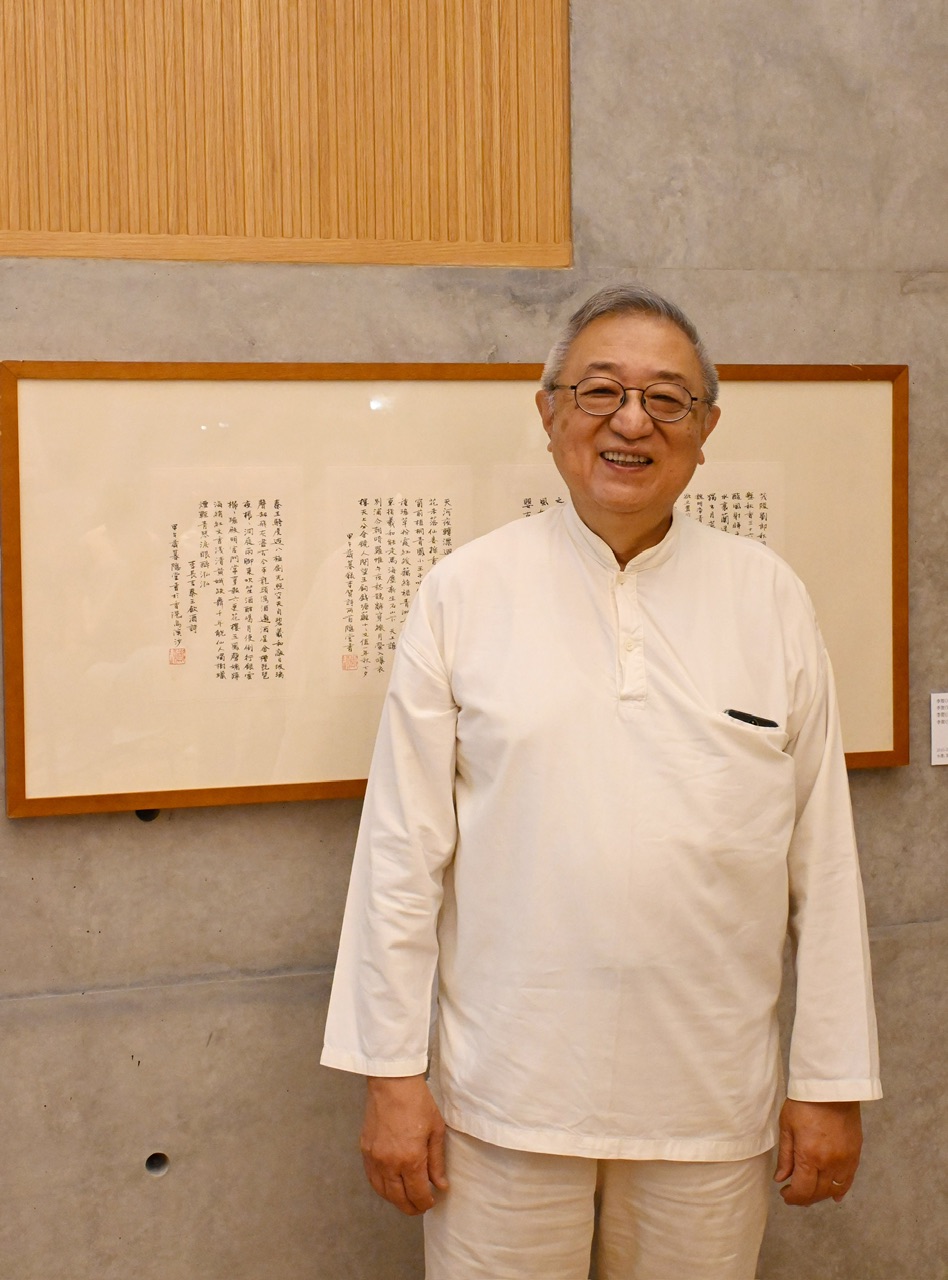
113, 703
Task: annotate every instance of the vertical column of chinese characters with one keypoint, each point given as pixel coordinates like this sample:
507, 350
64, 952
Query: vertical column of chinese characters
686, 503
220, 629
233, 541
205, 543
699, 506
279, 588
350, 659
762, 512
433, 523
364, 588
391, 576
419, 540
378, 566
405, 562
749, 514
192, 597
724, 513
263, 584
527, 507
249, 567
176, 655
737, 512
447, 522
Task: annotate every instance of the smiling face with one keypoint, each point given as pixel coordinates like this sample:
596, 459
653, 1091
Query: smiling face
625, 472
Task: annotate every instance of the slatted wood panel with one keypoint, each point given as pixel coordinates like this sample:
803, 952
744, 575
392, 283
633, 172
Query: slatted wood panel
417, 131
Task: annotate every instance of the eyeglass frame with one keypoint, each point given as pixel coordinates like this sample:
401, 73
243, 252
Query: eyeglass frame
562, 386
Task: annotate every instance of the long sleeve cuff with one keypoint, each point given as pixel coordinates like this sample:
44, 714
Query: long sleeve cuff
342, 1060
834, 1090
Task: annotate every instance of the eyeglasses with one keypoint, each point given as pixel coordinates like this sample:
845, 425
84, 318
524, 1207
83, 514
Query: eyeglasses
662, 401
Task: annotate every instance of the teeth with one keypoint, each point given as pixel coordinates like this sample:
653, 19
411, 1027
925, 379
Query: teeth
611, 455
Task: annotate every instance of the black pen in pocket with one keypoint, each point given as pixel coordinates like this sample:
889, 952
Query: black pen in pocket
747, 718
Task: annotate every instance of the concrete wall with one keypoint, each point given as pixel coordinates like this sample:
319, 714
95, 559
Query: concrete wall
779, 169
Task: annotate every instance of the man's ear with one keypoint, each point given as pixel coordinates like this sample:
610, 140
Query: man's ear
544, 403
709, 424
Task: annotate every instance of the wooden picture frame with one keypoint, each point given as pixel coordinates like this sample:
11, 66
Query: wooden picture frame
141, 646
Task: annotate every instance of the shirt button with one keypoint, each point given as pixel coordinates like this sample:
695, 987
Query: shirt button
629, 646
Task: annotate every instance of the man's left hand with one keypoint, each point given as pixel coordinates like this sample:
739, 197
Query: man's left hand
819, 1150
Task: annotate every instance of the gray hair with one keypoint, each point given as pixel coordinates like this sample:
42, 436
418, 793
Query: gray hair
628, 299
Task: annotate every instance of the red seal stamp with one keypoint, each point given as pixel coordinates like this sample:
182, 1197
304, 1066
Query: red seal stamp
350, 662
177, 657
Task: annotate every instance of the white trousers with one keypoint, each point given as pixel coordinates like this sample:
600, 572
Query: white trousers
523, 1215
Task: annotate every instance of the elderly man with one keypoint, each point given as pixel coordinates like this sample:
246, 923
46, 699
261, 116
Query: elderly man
608, 782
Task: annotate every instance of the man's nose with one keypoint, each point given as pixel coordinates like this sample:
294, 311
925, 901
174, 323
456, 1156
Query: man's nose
630, 419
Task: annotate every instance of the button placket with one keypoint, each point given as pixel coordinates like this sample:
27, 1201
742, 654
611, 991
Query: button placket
631, 656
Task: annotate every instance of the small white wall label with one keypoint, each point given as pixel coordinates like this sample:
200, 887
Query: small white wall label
940, 728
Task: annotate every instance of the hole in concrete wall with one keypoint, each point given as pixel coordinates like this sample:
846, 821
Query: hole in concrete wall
157, 1164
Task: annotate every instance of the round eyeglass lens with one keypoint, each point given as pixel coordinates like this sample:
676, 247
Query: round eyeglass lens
666, 401
599, 396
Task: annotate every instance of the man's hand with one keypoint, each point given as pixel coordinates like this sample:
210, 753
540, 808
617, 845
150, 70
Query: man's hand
819, 1150
403, 1142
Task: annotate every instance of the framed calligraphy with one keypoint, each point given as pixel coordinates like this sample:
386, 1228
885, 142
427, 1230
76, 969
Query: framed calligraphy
206, 567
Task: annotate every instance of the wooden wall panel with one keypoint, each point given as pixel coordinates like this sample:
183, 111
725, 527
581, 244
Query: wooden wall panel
418, 131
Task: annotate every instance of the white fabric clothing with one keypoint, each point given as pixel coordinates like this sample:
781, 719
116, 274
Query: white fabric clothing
600, 862
524, 1215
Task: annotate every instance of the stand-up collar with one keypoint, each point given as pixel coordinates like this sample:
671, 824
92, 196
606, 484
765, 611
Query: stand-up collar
592, 545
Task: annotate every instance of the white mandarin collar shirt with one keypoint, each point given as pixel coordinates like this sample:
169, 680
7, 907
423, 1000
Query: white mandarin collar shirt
600, 864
